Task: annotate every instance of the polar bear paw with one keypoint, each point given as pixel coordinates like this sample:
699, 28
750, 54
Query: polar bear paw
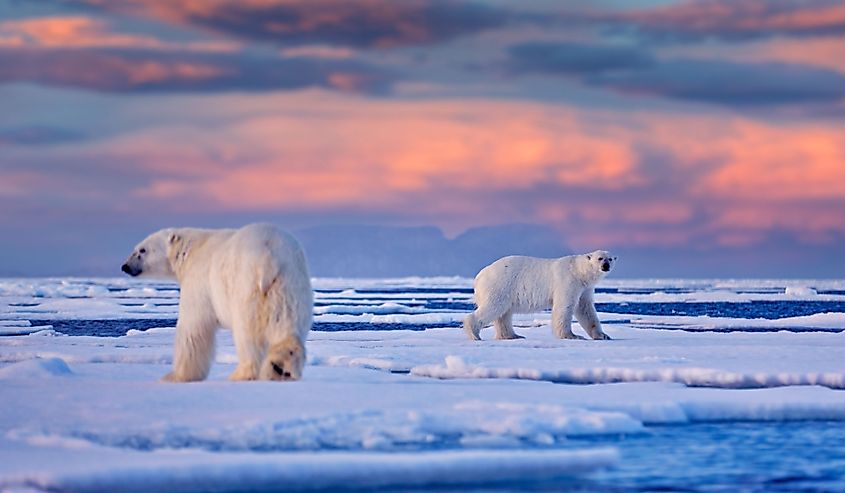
573, 336
244, 373
174, 378
284, 360
509, 337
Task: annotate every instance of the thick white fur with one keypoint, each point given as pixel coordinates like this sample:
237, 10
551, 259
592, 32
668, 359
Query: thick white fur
518, 284
253, 280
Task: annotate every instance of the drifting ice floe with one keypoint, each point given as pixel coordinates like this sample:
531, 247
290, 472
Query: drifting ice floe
396, 408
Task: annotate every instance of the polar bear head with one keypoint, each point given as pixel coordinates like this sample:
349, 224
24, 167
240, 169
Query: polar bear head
152, 257
599, 262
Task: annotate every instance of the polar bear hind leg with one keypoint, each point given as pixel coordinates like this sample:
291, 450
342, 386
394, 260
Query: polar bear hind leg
504, 327
472, 327
194, 345
287, 323
482, 316
250, 351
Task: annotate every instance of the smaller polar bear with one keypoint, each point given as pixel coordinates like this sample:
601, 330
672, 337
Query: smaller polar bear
253, 280
518, 284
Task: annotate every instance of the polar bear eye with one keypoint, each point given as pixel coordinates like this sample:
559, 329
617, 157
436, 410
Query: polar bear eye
142, 251
601, 258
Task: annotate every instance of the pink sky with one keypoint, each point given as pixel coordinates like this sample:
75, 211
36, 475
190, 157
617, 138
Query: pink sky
691, 124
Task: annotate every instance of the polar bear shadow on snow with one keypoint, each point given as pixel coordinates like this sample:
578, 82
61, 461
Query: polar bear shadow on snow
253, 280
519, 284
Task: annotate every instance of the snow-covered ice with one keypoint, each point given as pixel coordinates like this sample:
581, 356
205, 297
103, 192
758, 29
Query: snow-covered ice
391, 408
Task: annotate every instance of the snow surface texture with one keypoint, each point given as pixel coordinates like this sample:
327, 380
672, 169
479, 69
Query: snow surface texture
376, 408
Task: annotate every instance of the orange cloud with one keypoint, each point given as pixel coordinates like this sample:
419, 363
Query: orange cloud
382, 154
602, 177
383, 150
817, 17
824, 52
79, 31
780, 163
377, 152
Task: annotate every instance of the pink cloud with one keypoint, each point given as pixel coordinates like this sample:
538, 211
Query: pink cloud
459, 163
779, 162
79, 31
20, 183
730, 18
364, 23
376, 152
824, 52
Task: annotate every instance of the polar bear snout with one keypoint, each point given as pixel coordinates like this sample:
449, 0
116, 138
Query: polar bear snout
130, 270
133, 265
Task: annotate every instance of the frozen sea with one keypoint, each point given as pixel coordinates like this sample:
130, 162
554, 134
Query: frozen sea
707, 385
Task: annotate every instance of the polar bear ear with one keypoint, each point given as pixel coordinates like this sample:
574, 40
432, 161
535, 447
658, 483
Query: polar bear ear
589, 257
173, 238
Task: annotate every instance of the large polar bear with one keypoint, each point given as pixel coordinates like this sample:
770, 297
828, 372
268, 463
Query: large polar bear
518, 284
252, 280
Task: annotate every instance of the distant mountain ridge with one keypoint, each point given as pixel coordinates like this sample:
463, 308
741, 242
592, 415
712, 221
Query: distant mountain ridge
389, 251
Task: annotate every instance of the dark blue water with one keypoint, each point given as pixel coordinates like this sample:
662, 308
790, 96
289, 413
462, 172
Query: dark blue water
744, 310
767, 309
748, 310
723, 457
803, 456
707, 458
414, 290
468, 290
104, 328
118, 328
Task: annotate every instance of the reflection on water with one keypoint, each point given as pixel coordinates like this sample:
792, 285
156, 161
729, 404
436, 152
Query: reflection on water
711, 457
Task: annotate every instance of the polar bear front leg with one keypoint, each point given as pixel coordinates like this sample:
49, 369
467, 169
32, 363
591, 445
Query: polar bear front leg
194, 345
562, 307
586, 314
